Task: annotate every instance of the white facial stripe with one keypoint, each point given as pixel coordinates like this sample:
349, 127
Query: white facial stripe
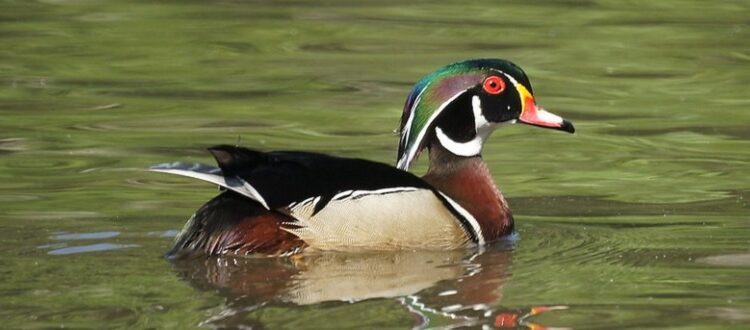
517, 86
482, 126
482, 129
410, 153
467, 149
407, 127
512, 80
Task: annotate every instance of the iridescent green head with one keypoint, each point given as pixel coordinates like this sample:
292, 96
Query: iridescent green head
459, 105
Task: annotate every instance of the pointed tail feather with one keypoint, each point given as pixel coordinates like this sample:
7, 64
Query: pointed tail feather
211, 174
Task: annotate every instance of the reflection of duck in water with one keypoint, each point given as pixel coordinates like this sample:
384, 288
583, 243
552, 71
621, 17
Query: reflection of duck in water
284, 202
452, 288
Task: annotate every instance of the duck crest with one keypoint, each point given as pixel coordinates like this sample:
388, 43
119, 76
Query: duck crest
435, 92
426, 102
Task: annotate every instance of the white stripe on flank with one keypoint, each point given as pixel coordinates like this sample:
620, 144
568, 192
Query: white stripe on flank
470, 218
360, 193
350, 194
235, 184
384, 219
342, 194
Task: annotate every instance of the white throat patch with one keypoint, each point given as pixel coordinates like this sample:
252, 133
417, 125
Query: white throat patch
482, 127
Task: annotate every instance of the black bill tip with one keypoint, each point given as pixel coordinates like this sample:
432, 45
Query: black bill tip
567, 126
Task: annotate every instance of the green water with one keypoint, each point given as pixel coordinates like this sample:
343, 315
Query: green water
639, 220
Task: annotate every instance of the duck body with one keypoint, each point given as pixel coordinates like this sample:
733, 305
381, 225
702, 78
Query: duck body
284, 202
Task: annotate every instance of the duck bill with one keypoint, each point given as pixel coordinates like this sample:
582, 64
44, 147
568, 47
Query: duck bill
539, 117
535, 115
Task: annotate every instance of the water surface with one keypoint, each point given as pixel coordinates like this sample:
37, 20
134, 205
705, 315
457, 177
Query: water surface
640, 220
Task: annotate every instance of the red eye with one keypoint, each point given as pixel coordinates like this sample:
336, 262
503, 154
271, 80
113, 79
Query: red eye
494, 85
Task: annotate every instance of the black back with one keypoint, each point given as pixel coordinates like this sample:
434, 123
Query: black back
285, 177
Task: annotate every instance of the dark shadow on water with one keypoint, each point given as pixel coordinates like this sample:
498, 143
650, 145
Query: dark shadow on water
464, 287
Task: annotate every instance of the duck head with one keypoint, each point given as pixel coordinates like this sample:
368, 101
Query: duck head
459, 105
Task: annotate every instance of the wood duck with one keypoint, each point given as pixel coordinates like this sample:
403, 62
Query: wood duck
284, 202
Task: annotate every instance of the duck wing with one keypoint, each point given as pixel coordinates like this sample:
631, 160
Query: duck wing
302, 184
279, 179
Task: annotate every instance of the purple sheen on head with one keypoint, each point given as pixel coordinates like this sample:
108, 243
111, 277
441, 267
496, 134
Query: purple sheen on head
434, 93
439, 90
437, 93
438, 87
448, 87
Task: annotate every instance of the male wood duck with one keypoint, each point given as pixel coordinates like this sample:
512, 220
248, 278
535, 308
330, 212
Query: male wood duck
284, 202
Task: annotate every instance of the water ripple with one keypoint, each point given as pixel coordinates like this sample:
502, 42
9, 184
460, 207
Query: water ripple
12, 145
85, 236
91, 248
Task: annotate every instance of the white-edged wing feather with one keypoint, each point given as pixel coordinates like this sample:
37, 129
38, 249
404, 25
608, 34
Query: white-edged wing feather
211, 174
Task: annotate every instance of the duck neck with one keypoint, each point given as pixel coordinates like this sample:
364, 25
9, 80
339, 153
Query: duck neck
468, 181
